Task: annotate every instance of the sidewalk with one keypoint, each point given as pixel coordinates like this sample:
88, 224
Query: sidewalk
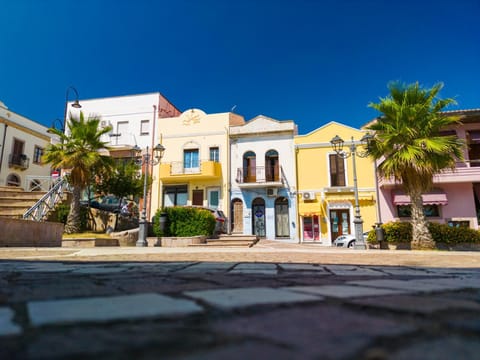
272, 301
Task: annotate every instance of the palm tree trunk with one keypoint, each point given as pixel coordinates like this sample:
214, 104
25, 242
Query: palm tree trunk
421, 237
73, 220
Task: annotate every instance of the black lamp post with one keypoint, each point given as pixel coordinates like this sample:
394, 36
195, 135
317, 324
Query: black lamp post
337, 146
75, 104
146, 160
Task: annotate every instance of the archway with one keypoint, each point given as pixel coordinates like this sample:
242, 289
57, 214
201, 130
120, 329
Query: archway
258, 217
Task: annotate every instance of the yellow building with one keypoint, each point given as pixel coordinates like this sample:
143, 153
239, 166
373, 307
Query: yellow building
195, 167
325, 181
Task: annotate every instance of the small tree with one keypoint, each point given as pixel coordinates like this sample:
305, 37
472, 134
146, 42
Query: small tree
123, 181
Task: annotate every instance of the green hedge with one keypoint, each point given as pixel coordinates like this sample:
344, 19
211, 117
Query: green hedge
401, 232
184, 221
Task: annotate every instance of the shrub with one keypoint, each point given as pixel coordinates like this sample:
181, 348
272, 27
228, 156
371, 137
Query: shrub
401, 232
442, 233
184, 221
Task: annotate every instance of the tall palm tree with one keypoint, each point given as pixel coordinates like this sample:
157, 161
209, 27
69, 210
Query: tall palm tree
78, 153
410, 148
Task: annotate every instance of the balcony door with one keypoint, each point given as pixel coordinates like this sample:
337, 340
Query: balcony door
191, 163
271, 166
249, 167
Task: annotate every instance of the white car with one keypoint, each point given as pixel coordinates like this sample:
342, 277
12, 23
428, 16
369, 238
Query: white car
348, 240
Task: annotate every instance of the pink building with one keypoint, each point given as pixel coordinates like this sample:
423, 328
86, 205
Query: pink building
455, 198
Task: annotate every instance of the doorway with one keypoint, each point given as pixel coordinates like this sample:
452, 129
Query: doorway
237, 221
258, 217
282, 227
197, 197
339, 222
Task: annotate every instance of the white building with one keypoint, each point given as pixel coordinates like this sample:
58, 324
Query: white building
263, 183
22, 144
133, 118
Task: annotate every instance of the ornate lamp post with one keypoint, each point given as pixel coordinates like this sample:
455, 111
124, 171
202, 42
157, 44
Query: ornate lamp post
75, 104
146, 160
337, 146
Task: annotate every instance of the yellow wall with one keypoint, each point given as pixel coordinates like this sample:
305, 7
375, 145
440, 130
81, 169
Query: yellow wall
313, 175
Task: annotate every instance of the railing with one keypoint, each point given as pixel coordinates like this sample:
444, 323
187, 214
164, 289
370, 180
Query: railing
47, 203
20, 161
39, 183
178, 168
260, 174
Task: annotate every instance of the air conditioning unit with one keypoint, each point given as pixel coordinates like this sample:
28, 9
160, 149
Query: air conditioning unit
104, 123
308, 195
272, 191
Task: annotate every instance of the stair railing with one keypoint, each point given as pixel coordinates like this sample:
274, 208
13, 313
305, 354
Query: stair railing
39, 211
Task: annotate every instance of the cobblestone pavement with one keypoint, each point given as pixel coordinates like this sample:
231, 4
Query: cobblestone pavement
311, 303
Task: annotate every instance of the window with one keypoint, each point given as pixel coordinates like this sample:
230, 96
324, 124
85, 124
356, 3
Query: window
473, 140
122, 136
190, 160
215, 154
337, 170
175, 195
144, 127
37, 155
428, 210
249, 167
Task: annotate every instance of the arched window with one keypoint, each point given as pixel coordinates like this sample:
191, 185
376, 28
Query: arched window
249, 167
13, 180
271, 166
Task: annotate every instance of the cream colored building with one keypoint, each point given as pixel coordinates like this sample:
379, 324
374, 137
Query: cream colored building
195, 168
22, 144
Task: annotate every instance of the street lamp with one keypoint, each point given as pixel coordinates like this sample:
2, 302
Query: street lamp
146, 160
337, 146
75, 104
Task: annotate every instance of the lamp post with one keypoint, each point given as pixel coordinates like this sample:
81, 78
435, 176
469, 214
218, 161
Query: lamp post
337, 146
75, 104
146, 160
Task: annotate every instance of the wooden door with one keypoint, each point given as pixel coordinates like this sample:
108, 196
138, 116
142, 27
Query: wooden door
237, 224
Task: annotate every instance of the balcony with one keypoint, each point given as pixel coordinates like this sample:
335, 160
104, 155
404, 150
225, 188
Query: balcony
259, 177
175, 171
467, 171
18, 161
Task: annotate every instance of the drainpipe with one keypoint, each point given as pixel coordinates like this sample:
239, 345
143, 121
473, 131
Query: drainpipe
3, 145
299, 223
229, 185
149, 203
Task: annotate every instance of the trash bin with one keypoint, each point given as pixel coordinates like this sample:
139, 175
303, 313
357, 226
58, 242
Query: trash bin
162, 222
380, 236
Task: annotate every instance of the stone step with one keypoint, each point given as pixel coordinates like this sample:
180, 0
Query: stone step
21, 194
232, 240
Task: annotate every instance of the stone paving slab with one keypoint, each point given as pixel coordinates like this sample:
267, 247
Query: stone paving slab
418, 304
255, 268
314, 268
101, 309
238, 298
415, 285
445, 348
7, 325
314, 331
343, 291
207, 267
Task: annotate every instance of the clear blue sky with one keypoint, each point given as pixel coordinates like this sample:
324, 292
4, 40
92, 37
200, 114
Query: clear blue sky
311, 61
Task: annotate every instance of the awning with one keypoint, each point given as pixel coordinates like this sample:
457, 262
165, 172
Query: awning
435, 197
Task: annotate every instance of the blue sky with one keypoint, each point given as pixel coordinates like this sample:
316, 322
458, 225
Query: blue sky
311, 61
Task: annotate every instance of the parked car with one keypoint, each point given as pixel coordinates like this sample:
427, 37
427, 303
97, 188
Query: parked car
220, 220
348, 240
107, 203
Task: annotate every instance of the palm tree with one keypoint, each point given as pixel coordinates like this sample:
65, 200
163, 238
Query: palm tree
410, 148
78, 153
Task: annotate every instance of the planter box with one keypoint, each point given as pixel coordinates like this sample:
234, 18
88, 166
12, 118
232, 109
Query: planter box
181, 241
27, 233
